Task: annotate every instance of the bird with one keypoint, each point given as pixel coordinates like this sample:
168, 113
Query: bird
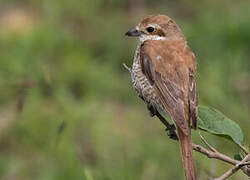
163, 75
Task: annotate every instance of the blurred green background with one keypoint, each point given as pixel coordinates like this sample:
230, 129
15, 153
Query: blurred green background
67, 108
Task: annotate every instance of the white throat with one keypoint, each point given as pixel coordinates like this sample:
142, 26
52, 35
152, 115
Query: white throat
150, 37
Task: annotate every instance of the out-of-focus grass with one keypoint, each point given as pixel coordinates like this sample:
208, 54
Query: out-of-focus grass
67, 109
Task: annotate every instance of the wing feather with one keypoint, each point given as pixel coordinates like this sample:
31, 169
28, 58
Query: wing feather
166, 67
193, 100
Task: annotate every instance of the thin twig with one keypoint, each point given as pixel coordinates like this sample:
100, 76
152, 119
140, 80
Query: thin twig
126, 67
207, 144
234, 169
246, 168
246, 164
243, 148
215, 155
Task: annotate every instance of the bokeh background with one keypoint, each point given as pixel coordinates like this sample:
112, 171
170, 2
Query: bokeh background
67, 108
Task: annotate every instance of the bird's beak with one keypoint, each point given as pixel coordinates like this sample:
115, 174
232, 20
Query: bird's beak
133, 32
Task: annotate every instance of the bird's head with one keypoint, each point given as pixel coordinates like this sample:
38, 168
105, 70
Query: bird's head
156, 27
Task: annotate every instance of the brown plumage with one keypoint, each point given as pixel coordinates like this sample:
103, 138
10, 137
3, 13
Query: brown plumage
163, 75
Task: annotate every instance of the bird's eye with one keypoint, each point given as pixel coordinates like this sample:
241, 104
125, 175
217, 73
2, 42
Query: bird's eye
150, 29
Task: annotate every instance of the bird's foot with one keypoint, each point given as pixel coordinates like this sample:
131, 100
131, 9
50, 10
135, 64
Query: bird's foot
171, 132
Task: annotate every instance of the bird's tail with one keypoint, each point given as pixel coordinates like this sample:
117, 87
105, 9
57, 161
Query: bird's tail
187, 154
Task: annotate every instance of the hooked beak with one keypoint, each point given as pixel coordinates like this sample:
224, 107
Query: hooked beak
133, 32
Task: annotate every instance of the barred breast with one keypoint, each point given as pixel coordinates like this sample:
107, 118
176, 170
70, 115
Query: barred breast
141, 83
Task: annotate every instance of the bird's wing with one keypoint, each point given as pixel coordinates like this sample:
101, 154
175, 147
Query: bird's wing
193, 100
167, 66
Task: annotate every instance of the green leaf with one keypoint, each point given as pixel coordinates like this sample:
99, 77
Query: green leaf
213, 121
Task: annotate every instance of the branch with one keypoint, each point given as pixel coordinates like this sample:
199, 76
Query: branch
234, 169
207, 144
213, 153
243, 148
126, 67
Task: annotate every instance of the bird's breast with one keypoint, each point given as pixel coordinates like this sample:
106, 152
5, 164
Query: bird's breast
141, 83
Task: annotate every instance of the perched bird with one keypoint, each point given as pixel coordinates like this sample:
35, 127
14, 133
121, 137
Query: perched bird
163, 74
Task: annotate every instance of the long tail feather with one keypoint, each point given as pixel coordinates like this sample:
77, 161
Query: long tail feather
187, 154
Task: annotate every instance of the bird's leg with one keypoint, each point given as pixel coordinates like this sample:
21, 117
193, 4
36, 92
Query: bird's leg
169, 127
